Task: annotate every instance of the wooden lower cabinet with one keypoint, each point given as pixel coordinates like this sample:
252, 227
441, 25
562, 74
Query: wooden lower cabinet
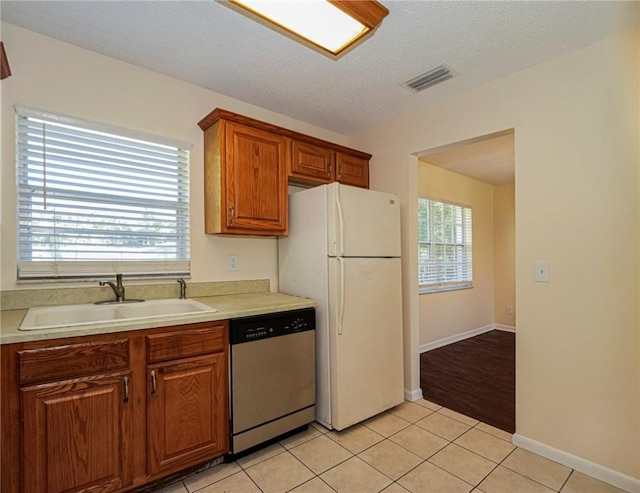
187, 412
76, 435
111, 427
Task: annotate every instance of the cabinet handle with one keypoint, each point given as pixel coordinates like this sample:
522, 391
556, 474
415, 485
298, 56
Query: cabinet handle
232, 213
339, 170
126, 390
154, 389
329, 172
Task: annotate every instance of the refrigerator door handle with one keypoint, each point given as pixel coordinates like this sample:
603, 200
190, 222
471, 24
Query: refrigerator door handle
341, 298
340, 222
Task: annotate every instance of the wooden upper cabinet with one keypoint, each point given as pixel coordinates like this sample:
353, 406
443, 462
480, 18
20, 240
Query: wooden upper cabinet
248, 164
245, 180
256, 180
352, 170
76, 435
312, 162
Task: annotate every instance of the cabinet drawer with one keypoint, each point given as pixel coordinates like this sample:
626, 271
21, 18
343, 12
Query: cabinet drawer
182, 343
72, 360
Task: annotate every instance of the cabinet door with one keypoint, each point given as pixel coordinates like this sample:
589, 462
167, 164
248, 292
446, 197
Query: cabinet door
187, 419
312, 162
352, 170
76, 435
256, 180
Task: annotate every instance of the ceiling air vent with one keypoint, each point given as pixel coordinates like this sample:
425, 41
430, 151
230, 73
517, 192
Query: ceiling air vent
430, 78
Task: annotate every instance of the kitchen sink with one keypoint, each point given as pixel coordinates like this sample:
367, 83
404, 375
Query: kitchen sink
52, 317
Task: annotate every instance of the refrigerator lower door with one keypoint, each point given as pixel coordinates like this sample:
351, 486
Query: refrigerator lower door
365, 338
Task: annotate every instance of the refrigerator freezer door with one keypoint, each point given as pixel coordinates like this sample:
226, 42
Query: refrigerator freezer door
365, 337
362, 223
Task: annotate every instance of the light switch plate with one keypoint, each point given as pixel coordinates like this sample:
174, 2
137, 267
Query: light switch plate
543, 271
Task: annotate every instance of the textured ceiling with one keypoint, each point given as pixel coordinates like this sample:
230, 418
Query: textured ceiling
208, 44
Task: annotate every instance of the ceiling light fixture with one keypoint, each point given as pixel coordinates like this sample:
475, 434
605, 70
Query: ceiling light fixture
332, 25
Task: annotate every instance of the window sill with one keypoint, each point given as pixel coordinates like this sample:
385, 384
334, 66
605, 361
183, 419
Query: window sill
442, 289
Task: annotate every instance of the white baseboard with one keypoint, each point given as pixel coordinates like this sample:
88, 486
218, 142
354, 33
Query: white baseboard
506, 328
412, 395
455, 338
598, 471
464, 335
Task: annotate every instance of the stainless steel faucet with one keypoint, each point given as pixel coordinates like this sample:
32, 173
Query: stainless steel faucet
118, 288
183, 289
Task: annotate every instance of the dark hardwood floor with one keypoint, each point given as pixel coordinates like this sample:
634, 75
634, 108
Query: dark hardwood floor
475, 377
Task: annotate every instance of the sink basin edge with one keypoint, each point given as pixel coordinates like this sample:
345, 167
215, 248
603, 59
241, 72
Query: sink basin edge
82, 316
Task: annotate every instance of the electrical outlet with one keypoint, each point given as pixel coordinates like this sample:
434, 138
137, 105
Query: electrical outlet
233, 263
509, 310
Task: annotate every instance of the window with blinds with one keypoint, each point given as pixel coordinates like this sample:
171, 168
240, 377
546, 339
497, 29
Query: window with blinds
445, 246
94, 201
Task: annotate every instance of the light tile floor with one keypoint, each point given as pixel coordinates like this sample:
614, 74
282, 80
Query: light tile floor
416, 447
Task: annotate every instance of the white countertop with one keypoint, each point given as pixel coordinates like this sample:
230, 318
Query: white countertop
228, 306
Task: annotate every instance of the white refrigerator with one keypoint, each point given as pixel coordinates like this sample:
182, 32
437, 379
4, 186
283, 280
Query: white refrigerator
343, 250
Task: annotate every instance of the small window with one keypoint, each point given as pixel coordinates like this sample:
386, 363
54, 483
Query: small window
445, 246
93, 201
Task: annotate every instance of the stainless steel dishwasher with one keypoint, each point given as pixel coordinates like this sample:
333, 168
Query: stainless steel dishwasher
273, 382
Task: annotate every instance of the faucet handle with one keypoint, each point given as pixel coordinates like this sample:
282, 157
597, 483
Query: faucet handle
183, 289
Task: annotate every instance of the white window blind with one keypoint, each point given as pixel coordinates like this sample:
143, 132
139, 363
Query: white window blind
445, 246
92, 202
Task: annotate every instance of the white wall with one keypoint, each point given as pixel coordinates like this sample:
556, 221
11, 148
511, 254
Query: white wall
576, 127
504, 254
448, 313
58, 77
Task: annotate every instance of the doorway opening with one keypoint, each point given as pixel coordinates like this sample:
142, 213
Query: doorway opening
469, 331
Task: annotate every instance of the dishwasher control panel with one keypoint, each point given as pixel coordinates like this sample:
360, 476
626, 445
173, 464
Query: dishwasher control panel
258, 327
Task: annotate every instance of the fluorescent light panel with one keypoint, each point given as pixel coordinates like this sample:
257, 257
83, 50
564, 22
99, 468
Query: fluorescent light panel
316, 21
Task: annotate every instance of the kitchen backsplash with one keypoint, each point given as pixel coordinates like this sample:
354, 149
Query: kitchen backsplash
28, 298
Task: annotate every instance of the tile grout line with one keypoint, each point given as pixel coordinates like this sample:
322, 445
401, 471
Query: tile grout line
384, 438
321, 433
485, 477
428, 458
252, 480
499, 438
409, 424
311, 479
567, 480
531, 479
